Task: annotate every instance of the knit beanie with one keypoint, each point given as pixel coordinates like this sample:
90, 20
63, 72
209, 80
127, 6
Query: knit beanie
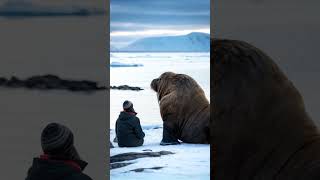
128, 106
57, 140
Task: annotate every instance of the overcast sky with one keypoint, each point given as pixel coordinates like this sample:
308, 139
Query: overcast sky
131, 20
90, 3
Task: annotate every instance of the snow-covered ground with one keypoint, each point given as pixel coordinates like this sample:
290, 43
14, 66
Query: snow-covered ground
190, 161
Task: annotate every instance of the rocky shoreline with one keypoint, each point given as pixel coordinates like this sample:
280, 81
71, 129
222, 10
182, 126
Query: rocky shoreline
116, 161
126, 87
53, 82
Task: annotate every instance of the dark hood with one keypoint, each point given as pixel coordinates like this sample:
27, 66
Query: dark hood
259, 118
124, 116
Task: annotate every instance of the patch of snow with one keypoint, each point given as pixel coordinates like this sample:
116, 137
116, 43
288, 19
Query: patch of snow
190, 161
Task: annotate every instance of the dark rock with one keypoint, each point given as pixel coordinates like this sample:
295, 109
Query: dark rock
115, 140
165, 153
48, 82
81, 85
126, 87
136, 155
44, 82
119, 165
142, 169
111, 145
14, 82
3, 81
147, 150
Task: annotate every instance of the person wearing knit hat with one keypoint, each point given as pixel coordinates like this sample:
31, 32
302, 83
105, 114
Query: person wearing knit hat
128, 106
128, 129
60, 159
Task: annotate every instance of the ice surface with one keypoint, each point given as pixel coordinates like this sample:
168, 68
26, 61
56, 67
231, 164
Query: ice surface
190, 161
119, 64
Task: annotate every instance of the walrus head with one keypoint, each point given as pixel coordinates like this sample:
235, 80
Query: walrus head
164, 84
184, 108
169, 82
259, 117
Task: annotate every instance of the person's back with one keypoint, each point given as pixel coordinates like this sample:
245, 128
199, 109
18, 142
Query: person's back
51, 169
128, 129
60, 159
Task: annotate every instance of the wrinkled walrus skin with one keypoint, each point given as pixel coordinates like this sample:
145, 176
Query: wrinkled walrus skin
261, 128
184, 109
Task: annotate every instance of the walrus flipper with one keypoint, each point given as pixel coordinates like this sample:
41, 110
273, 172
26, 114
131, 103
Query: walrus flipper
168, 137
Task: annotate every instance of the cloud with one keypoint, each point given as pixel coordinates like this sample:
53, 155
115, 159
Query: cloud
131, 20
118, 9
131, 26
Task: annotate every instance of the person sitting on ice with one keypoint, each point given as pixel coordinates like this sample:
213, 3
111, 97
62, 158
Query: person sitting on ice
128, 129
60, 159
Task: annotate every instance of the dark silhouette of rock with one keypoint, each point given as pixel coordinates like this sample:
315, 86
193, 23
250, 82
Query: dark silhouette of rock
126, 87
3, 81
49, 82
119, 165
136, 155
111, 145
116, 160
115, 140
142, 169
14, 82
147, 150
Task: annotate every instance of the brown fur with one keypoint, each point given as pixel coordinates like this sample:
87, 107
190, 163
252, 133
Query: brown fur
183, 107
261, 129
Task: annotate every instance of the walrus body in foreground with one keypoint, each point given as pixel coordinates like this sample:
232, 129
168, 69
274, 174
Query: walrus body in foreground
184, 109
261, 129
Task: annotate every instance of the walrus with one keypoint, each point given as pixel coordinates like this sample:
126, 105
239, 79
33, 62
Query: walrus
184, 109
260, 126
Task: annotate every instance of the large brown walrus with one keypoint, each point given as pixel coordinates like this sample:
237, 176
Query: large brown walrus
260, 125
184, 109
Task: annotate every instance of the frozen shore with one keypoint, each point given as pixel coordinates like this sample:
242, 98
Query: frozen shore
189, 161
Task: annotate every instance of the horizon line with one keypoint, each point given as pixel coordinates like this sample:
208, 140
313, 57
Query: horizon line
158, 33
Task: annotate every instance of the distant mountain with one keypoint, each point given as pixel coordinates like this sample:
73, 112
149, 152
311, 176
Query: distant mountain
193, 42
25, 9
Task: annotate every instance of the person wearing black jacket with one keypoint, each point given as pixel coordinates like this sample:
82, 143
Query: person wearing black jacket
128, 129
60, 160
